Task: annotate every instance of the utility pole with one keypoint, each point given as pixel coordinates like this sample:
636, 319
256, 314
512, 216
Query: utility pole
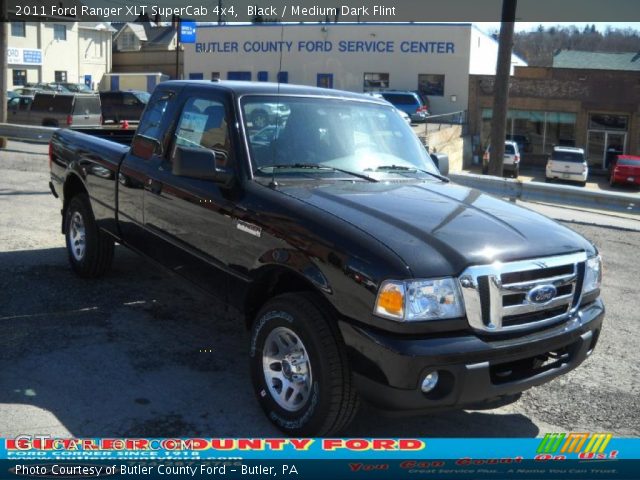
501, 88
177, 48
4, 71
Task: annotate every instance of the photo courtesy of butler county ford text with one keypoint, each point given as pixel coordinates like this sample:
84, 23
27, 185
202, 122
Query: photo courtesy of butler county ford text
316, 240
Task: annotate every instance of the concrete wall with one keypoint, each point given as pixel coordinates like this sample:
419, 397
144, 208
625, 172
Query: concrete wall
94, 55
347, 68
59, 54
445, 139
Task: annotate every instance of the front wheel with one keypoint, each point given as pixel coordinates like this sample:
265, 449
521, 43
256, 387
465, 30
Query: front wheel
299, 367
90, 250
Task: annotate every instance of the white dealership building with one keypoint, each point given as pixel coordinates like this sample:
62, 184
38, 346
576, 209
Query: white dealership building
435, 58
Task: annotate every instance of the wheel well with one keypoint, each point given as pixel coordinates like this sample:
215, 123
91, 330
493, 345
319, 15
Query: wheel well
270, 284
72, 187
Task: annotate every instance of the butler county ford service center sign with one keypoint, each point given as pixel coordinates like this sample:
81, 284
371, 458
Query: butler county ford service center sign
318, 46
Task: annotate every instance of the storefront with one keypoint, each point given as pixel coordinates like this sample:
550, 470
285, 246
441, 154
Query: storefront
595, 109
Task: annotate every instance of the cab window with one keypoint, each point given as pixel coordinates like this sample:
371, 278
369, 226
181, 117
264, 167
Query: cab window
203, 124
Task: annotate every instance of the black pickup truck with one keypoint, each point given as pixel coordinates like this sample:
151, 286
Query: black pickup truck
362, 271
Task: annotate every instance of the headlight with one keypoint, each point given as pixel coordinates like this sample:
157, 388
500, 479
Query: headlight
592, 274
417, 300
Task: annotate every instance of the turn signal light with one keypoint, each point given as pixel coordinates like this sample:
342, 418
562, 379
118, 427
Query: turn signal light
390, 300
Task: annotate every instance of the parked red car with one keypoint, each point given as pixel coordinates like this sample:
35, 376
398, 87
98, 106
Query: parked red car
625, 170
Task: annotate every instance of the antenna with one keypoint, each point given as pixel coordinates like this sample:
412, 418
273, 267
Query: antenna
273, 183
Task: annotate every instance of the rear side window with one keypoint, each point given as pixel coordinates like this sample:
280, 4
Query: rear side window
568, 157
151, 125
53, 103
87, 106
109, 98
401, 99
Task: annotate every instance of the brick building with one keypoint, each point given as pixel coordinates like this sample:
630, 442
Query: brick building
594, 108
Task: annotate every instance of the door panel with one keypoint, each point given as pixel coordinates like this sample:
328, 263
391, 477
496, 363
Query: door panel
147, 150
190, 218
615, 146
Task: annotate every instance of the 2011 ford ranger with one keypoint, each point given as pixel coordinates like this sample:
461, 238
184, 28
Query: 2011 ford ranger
362, 271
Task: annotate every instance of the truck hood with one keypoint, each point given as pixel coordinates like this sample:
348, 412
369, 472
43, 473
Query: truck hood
439, 229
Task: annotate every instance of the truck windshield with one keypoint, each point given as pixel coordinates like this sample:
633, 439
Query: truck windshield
360, 137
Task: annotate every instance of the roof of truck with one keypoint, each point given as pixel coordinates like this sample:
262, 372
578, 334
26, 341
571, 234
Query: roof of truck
270, 88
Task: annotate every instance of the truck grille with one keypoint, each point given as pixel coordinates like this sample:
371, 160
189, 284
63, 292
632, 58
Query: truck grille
527, 294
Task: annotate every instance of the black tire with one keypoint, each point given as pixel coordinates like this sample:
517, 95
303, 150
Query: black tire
332, 400
96, 258
260, 119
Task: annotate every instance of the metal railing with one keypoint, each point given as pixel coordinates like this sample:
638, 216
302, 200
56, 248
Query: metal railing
553, 194
453, 118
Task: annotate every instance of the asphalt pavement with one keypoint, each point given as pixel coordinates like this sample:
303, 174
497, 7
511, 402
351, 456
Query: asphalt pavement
141, 353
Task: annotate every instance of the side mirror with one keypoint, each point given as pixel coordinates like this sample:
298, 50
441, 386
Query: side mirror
442, 162
144, 147
203, 164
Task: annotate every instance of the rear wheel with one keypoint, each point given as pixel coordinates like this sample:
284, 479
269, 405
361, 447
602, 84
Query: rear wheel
299, 367
90, 250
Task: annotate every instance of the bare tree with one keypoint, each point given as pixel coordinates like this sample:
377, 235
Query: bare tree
501, 88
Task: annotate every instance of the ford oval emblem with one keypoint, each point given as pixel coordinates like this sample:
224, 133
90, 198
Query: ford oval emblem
542, 294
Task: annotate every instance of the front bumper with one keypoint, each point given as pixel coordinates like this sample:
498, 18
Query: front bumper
473, 370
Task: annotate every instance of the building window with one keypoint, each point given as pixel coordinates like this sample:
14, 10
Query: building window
600, 121
60, 76
246, 76
215, 76
19, 77
263, 76
18, 29
375, 81
59, 32
535, 132
430, 84
324, 80
283, 77
128, 41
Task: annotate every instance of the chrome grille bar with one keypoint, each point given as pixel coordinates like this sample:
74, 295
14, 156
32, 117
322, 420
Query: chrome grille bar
486, 311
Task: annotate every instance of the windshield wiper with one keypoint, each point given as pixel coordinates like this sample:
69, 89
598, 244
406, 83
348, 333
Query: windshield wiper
315, 166
412, 169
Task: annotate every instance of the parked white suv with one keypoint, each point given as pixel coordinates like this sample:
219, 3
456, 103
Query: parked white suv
510, 161
567, 163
